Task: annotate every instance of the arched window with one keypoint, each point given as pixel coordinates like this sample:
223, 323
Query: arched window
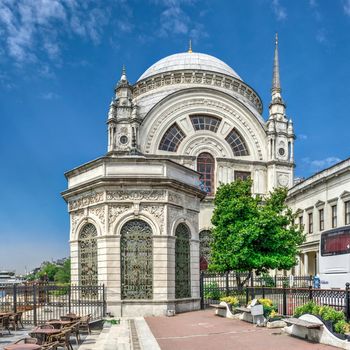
171, 139
206, 167
204, 248
136, 260
182, 262
205, 122
88, 255
237, 143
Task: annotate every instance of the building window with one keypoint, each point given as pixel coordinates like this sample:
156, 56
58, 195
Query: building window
301, 223
242, 175
237, 143
88, 255
334, 216
136, 250
311, 223
205, 238
205, 122
182, 262
205, 166
347, 213
171, 139
321, 219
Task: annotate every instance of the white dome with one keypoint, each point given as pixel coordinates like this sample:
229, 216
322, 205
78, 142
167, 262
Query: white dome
192, 61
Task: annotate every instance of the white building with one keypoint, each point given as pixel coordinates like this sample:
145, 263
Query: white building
187, 113
322, 202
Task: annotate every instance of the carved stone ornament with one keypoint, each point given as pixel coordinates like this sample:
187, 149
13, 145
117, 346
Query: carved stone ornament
175, 197
196, 101
283, 179
157, 211
86, 200
99, 212
136, 195
114, 211
174, 214
75, 217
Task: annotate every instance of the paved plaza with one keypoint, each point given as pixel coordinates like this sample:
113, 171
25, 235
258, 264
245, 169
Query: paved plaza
203, 330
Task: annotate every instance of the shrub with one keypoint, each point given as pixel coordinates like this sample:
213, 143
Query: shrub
268, 280
342, 327
230, 300
268, 306
329, 314
212, 291
305, 309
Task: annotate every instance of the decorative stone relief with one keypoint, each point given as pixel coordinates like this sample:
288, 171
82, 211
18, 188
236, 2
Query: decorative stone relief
203, 78
136, 195
157, 211
175, 197
86, 200
75, 217
209, 142
282, 179
198, 102
192, 216
114, 211
99, 212
174, 213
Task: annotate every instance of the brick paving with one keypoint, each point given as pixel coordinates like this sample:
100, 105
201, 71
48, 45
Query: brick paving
205, 331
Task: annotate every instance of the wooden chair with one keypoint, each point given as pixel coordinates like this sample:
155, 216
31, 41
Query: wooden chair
85, 323
50, 346
75, 327
5, 323
15, 319
46, 326
65, 318
62, 339
27, 341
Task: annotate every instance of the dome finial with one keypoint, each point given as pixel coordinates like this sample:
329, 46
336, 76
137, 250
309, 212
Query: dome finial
190, 46
276, 85
123, 77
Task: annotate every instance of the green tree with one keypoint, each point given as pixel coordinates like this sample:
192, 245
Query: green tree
252, 233
63, 274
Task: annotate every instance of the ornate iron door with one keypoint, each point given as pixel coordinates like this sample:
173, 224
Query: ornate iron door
182, 262
88, 255
204, 248
136, 249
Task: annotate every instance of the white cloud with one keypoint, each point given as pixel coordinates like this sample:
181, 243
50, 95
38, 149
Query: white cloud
49, 96
319, 164
302, 137
279, 11
32, 28
321, 36
346, 7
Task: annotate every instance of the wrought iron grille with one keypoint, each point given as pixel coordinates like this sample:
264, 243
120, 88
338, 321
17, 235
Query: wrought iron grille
88, 255
204, 248
182, 262
136, 248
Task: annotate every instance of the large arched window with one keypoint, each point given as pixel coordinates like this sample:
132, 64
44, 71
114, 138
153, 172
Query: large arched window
182, 262
172, 139
205, 122
88, 255
237, 143
136, 260
204, 248
206, 167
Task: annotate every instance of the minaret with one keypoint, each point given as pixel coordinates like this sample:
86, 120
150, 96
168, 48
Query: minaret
123, 121
280, 132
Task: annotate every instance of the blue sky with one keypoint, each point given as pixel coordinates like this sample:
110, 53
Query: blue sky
60, 59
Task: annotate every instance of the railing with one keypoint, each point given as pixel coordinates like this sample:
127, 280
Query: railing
286, 298
41, 302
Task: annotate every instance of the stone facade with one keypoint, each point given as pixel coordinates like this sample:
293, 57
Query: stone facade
320, 202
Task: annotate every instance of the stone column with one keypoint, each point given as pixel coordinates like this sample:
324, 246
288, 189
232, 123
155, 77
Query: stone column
306, 264
74, 261
195, 268
317, 263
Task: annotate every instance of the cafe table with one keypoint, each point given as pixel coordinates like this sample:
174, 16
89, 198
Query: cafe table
42, 334
59, 323
22, 347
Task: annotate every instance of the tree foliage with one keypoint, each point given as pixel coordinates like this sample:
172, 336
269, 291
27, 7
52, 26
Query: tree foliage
52, 272
252, 233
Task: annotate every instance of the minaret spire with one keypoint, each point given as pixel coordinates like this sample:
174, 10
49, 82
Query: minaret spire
276, 84
190, 46
123, 77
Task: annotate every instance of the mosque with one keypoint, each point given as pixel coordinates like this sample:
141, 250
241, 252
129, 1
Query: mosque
140, 214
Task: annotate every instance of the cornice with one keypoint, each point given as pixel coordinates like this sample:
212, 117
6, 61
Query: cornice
199, 77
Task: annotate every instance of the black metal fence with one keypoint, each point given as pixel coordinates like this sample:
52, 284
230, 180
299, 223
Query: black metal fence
41, 302
286, 298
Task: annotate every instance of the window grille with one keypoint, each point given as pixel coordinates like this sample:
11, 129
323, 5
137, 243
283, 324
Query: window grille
205, 239
172, 138
237, 143
205, 166
311, 223
321, 218
182, 262
347, 213
334, 216
205, 122
88, 255
136, 249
